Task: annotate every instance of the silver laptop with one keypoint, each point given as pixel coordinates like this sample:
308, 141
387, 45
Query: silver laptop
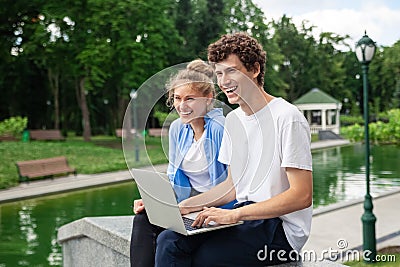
161, 205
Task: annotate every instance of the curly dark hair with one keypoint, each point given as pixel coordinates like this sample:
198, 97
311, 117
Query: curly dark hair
248, 49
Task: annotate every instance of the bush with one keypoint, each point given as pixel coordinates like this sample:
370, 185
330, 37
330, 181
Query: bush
379, 132
394, 123
13, 126
165, 118
354, 133
346, 120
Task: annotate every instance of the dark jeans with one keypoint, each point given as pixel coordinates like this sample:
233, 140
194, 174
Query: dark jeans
144, 238
143, 241
254, 243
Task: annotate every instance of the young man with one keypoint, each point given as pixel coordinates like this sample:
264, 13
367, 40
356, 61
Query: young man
266, 145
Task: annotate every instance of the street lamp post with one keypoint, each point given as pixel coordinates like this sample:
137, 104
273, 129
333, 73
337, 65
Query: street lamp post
365, 50
105, 101
133, 95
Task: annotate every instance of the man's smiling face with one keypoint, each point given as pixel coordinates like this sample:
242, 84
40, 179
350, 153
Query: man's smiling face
234, 79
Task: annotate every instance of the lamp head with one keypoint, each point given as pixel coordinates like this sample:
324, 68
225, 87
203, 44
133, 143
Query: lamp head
365, 49
133, 94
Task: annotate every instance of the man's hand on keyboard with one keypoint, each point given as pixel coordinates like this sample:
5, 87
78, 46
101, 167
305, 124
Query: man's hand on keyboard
213, 215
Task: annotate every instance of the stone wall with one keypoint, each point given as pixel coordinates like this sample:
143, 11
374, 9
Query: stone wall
96, 241
105, 241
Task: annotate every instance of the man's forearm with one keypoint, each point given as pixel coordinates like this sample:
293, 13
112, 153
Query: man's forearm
297, 197
219, 195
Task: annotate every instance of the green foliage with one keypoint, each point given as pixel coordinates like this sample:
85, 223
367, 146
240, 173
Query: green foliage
346, 120
13, 126
386, 260
384, 77
354, 133
104, 48
165, 117
309, 62
379, 132
394, 122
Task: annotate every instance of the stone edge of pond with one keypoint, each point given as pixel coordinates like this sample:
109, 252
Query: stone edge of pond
341, 205
96, 241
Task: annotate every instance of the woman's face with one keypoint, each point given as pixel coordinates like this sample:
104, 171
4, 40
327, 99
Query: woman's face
190, 104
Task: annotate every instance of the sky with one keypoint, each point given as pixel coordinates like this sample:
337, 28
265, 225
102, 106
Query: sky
380, 18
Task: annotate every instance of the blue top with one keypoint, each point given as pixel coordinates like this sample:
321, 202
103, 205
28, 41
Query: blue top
181, 139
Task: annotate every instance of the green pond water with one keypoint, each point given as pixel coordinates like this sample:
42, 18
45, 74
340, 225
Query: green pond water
28, 228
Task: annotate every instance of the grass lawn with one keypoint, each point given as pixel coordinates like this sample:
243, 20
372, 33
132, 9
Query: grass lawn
102, 154
392, 260
387, 257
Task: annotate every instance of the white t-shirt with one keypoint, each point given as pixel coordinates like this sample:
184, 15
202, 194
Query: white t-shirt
195, 166
264, 144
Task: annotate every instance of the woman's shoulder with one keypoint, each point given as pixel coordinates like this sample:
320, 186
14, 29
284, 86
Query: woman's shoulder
176, 123
216, 119
176, 126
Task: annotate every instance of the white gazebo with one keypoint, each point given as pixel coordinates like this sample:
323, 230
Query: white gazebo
321, 110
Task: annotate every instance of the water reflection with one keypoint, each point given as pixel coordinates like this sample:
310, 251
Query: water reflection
55, 255
28, 229
339, 173
27, 224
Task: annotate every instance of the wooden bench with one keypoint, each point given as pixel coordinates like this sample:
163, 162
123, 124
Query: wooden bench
46, 135
123, 132
151, 132
7, 137
158, 132
118, 132
43, 168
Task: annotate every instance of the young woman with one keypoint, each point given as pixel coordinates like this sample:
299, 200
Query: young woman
194, 142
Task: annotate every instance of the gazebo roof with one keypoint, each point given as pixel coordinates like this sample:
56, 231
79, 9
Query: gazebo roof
316, 96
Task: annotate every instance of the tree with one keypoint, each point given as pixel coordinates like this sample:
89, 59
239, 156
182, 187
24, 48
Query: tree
115, 44
18, 76
385, 77
298, 50
309, 63
72, 64
46, 47
353, 89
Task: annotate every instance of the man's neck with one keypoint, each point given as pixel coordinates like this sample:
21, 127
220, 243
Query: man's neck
256, 103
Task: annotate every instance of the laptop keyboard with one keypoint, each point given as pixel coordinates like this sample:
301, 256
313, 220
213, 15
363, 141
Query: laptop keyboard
188, 224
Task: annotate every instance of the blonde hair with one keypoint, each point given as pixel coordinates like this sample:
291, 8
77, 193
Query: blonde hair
197, 74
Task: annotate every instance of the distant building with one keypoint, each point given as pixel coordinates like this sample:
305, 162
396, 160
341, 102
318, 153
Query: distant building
321, 110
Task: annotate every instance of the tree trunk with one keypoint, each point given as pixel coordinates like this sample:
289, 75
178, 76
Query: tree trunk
122, 104
84, 109
54, 77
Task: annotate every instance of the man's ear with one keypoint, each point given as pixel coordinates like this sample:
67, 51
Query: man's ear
256, 69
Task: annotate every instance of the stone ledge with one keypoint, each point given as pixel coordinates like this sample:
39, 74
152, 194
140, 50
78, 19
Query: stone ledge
96, 241
105, 241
